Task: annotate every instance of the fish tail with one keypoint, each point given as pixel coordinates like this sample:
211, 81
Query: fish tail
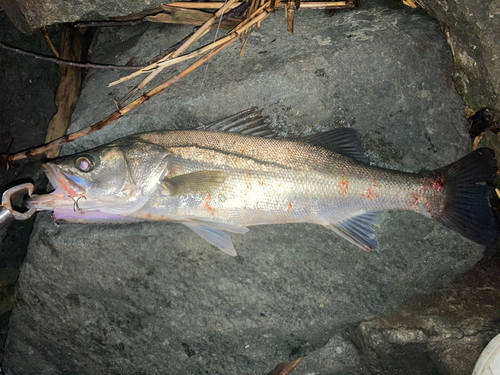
466, 209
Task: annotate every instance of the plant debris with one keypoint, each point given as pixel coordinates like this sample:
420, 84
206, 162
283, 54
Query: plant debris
239, 17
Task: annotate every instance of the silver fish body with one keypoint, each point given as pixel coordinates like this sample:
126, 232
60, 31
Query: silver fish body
217, 181
269, 181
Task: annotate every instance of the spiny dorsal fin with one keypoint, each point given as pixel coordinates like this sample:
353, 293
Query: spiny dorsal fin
358, 230
195, 182
345, 141
248, 122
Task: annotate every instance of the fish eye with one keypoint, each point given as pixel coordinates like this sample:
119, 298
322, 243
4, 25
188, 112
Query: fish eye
85, 163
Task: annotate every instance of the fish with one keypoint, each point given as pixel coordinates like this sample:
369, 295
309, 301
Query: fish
227, 176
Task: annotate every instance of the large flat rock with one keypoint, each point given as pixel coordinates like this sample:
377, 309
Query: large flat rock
153, 298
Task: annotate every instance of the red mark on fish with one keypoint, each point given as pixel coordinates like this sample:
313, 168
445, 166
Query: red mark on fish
343, 185
207, 205
421, 202
416, 198
373, 191
437, 183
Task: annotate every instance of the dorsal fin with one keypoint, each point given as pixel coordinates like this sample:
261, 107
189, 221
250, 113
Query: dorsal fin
345, 141
248, 122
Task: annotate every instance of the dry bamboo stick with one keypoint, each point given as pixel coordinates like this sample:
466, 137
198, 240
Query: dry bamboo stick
411, 3
202, 5
197, 35
290, 15
242, 52
173, 61
303, 5
199, 20
204, 28
177, 60
245, 24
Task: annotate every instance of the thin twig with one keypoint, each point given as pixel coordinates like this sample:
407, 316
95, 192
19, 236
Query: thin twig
197, 35
233, 13
49, 41
170, 49
285, 368
112, 23
65, 62
241, 27
168, 52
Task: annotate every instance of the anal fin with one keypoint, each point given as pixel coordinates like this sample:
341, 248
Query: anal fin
359, 230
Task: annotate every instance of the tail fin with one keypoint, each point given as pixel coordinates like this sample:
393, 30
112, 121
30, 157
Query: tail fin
466, 208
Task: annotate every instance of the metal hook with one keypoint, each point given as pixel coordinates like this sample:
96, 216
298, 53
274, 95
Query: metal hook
7, 211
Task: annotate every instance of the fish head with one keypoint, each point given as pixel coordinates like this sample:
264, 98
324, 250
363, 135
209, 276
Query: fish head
95, 174
116, 179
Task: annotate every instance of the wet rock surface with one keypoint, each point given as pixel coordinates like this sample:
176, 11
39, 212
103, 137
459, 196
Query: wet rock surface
443, 333
29, 15
473, 36
155, 298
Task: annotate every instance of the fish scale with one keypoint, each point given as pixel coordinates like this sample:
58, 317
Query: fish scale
261, 192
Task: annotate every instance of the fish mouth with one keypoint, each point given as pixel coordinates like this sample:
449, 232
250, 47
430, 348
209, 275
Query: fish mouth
73, 186
68, 188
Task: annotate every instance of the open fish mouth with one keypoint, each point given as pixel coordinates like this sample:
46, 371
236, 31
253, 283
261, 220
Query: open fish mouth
73, 186
70, 198
68, 189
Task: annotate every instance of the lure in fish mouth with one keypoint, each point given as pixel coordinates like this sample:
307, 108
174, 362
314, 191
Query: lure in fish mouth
236, 173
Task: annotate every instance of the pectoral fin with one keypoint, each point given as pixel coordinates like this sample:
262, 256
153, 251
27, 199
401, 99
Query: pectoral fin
358, 230
216, 233
195, 182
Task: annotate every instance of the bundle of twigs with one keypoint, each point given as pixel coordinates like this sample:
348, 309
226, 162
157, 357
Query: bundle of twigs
240, 17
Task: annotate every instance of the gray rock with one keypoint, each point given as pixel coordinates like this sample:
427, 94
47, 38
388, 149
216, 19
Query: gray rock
474, 37
443, 333
154, 298
29, 15
27, 103
338, 357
